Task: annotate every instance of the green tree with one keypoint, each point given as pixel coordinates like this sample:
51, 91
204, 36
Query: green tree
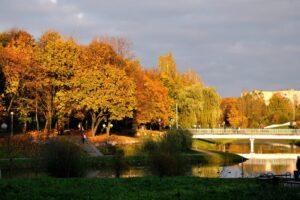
190, 105
211, 108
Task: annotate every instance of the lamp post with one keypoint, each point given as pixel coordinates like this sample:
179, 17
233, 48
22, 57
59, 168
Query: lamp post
176, 115
3, 127
109, 126
159, 120
12, 123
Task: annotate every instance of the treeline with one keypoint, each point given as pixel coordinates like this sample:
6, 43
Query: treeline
53, 82
251, 111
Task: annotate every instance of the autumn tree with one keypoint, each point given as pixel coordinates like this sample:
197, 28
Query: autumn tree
237, 119
16, 59
254, 109
232, 115
227, 104
55, 58
280, 109
190, 78
121, 46
101, 87
153, 102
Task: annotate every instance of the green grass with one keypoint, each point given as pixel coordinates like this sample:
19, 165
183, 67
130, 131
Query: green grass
210, 144
173, 188
225, 157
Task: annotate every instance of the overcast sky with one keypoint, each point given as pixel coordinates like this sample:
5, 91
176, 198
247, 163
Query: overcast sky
234, 45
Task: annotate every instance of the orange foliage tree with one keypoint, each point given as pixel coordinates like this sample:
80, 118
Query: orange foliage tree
153, 101
101, 87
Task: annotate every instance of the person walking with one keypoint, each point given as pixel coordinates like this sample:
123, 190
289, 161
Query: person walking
83, 137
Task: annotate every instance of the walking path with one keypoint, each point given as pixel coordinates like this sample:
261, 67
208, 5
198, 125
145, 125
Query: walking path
90, 148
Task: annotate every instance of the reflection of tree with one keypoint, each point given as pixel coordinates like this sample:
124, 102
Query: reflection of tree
251, 168
211, 171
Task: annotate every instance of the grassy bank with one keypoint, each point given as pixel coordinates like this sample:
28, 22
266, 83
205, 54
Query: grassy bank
143, 188
210, 143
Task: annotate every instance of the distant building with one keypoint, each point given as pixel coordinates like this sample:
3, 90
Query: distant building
291, 94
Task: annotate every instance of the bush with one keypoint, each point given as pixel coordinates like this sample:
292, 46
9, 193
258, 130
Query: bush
21, 145
165, 158
176, 141
63, 159
150, 146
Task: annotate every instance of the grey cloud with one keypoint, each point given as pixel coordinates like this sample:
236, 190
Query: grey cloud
233, 44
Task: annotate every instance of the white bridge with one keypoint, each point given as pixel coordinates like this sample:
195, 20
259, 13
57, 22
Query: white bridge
251, 134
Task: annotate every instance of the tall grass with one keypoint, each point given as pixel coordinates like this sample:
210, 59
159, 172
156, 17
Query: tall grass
63, 159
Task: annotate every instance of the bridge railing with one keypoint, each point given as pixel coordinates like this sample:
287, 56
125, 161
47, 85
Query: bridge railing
249, 131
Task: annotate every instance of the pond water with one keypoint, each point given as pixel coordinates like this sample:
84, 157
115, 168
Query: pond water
261, 147
250, 168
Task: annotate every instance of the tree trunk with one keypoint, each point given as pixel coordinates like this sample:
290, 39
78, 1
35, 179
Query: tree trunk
24, 127
95, 121
36, 114
108, 128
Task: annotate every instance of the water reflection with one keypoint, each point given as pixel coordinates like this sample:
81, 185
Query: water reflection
130, 172
250, 168
260, 146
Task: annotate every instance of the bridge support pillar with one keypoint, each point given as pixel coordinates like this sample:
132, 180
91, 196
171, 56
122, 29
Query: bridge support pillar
252, 145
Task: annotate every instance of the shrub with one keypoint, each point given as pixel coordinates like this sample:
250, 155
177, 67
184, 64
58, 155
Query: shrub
21, 145
176, 141
150, 146
108, 149
165, 158
63, 159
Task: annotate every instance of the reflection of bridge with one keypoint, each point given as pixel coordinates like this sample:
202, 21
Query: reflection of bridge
274, 157
251, 134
